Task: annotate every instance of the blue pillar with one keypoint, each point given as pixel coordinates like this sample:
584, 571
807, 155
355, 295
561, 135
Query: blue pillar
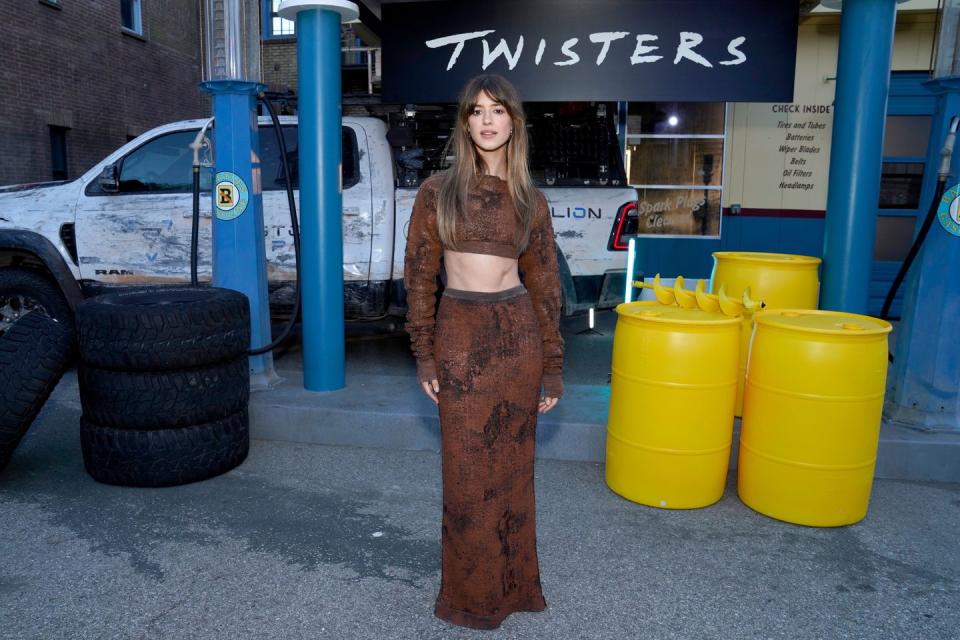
321, 201
239, 256
925, 378
863, 81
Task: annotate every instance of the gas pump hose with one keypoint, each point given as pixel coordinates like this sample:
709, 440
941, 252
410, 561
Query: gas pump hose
946, 153
294, 224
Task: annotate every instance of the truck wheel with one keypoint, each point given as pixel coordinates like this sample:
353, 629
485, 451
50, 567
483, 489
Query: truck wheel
23, 291
165, 457
34, 352
144, 400
163, 329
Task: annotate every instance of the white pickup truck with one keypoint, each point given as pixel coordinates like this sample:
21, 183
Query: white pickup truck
127, 222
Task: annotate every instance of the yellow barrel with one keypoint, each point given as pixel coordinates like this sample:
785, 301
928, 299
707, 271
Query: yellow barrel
671, 404
811, 415
746, 332
780, 280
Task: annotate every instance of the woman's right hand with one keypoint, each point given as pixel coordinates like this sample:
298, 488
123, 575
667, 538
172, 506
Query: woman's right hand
431, 388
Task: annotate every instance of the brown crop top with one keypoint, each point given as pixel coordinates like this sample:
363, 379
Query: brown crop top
488, 228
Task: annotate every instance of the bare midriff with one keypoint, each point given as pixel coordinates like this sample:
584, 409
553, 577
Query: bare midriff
480, 271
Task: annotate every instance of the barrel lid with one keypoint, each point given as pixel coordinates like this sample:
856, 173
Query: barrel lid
827, 322
767, 258
650, 311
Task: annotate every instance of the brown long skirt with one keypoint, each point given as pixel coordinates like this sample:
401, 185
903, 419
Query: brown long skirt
488, 353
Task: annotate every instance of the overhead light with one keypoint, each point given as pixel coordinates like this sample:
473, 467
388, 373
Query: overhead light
673, 121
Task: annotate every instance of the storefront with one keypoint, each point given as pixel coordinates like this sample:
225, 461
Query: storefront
765, 166
741, 175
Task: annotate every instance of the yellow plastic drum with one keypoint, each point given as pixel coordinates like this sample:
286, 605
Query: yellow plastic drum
746, 332
811, 415
671, 404
780, 280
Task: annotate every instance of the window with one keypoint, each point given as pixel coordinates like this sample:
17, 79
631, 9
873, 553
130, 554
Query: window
904, 158
271, 170
58, 152
905, 140
900, 185
894, 237
273, 25
163, 165
130, 16
674, 157
574, 143
350, 158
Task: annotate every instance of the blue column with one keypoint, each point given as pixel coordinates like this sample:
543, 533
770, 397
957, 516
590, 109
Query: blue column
863, 81
239, 256
321, 201
924, 387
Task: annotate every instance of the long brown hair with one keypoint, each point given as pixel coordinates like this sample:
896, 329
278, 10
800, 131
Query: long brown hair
467, 166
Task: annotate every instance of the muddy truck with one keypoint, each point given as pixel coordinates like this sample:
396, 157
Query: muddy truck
127, 221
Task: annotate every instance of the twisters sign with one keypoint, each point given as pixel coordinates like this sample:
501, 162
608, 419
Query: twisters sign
651, 50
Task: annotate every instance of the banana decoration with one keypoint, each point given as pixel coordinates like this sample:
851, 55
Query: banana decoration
750, 304
706, 301
663, 294
699, 298
685, 298
728, 305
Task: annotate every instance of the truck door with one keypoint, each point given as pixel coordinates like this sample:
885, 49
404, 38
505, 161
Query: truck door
357, 207
141, 233
357, 203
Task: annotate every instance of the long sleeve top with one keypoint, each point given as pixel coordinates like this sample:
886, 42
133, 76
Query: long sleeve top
488, 227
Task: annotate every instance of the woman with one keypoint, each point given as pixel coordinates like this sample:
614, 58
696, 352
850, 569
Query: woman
484, 357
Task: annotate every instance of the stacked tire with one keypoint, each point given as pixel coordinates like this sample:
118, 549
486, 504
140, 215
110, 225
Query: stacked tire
164, 385
34, 352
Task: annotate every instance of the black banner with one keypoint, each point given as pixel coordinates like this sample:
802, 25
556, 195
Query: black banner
559, 50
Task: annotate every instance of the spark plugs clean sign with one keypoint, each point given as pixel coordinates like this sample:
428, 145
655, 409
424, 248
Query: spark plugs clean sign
558, 50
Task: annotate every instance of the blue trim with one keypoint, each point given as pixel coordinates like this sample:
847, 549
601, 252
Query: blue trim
267, 24
215, 87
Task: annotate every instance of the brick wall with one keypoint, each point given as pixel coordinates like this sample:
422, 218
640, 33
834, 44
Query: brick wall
74, 67
279, 68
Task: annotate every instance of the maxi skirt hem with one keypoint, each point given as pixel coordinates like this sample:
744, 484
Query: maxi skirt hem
466, 619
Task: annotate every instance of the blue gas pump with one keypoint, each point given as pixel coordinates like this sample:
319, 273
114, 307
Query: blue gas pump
924, 385
232, 77
924, 382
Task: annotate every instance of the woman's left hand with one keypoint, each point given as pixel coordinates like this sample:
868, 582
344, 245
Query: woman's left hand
546, 404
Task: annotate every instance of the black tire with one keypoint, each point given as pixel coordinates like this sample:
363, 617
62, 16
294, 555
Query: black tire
164, 399
167, 457
34, 353
23, 291
163, 329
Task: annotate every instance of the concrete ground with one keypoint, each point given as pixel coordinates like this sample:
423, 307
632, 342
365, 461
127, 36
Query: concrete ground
308, 541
